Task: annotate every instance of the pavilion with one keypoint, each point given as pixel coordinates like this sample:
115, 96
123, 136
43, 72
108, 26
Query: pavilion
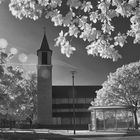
111, 118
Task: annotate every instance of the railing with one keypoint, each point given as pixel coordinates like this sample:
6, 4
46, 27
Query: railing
7, 123
4, 123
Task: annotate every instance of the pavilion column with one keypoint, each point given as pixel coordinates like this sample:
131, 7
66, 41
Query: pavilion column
95, 119
104, 118
116, 125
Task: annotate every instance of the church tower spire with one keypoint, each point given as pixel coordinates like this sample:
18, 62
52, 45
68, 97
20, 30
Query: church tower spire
44, 44
44, 84
44, 51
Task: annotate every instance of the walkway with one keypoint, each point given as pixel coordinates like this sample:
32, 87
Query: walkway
37, 134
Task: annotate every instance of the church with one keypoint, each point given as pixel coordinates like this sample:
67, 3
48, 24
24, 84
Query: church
56, 106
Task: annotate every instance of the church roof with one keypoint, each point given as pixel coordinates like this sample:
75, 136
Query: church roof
44, 44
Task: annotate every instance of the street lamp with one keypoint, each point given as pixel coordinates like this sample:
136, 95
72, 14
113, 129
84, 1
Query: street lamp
73, 96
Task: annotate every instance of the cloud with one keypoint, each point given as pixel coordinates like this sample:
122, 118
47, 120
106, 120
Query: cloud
63, 64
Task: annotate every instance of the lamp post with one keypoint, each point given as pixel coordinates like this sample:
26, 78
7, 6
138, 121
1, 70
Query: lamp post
73, 96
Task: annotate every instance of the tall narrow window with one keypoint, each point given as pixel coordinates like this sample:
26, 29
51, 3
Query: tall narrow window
44, 57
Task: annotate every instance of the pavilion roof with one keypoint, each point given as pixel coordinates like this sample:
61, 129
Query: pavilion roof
91, 108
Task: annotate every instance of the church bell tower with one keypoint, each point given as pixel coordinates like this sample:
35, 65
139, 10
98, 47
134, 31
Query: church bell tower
44, 84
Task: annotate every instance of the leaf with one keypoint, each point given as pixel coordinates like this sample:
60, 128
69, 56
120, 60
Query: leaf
43, 2
60, 40
94, 17
120, 40
86, 31
57, 19
107, 27
68, 18
111, 14
137, 38
55, 3
73, 31
132, 2
74, 3
67, 49
103, 7
87, 6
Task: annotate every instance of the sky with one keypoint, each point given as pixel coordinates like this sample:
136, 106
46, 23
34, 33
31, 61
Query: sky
26, 36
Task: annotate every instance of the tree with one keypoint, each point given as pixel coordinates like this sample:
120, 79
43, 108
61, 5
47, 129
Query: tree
17, 91
122, 88
31, 90
92, 21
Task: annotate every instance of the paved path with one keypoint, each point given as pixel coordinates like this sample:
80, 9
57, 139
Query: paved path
46, 134
101, 138
110, 138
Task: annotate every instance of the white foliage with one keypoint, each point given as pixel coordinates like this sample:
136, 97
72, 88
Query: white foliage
81, 19
120, 40
74, 3
43, 2
55, 3
87, 6
103, 49
26, 8
57, 19
68, 18
66, 48
121, 88
73, 31
94, 17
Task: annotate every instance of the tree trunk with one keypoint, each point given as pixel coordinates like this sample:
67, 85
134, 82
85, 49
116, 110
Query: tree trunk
135, 119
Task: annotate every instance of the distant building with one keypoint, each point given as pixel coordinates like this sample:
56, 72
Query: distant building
55, 103
62, 105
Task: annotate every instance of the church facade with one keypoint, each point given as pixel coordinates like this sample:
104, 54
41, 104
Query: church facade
55, 103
